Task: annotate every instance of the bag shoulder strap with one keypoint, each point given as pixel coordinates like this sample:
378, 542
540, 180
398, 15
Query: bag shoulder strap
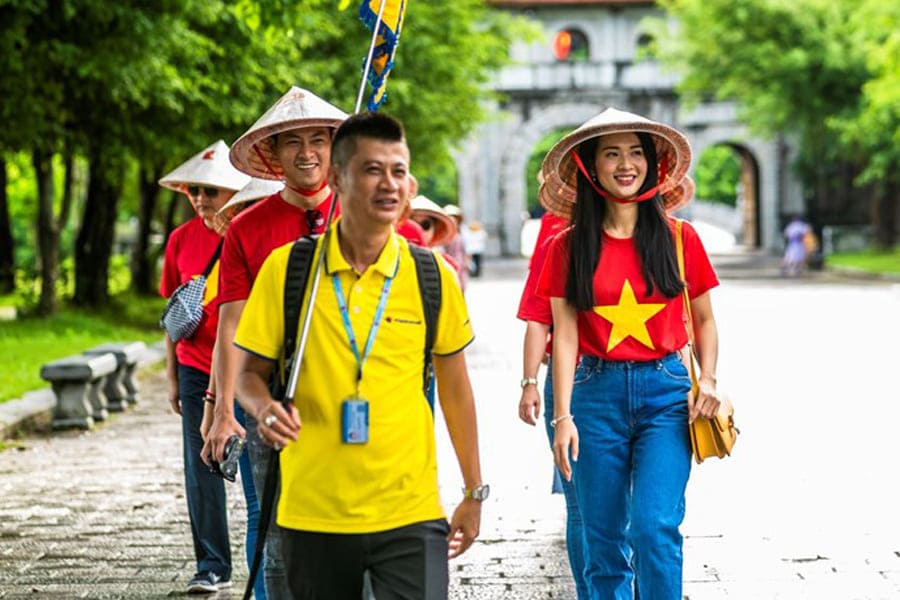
215, 257
679, 251
429, 277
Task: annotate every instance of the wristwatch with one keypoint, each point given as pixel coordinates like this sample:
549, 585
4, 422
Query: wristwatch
526, 381
479, 492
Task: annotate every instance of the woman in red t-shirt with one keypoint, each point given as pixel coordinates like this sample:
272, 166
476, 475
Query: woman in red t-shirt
209, 181
621, 413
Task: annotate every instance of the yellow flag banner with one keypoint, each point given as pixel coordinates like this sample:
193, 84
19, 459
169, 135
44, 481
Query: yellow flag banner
388, 36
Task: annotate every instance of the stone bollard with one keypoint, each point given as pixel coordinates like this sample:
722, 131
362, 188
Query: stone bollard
77, 382
121, 388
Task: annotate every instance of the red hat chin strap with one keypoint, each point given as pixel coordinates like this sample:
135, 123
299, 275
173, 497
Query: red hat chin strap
303, 192
663, 170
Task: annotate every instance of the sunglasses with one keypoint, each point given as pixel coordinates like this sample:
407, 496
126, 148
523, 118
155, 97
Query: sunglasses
427, 224
194, 191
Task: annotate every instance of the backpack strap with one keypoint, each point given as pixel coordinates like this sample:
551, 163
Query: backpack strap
298, 267
429, 276
296, 278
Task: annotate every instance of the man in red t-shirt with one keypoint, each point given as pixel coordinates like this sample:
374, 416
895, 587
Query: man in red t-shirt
290, 142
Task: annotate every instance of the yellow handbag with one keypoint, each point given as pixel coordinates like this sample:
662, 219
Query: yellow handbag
709, 437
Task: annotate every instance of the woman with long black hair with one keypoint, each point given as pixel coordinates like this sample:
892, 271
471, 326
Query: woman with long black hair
622, 399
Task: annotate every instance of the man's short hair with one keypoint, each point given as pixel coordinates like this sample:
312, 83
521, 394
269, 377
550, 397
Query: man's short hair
374, 125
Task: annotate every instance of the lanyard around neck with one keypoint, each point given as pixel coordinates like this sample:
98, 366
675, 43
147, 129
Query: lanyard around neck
376, 320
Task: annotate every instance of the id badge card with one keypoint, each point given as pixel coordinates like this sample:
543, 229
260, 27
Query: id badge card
355, 421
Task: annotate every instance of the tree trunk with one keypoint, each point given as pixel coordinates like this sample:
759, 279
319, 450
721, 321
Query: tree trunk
171, 209
47, 231
7, 243
143, 273
93, 246
885, 215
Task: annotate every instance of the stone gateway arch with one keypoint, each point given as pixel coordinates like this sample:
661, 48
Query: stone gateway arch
586, 62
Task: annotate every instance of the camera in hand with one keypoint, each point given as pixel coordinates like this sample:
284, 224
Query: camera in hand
234, 447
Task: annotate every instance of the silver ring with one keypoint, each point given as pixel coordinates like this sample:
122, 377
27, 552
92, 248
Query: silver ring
270, 420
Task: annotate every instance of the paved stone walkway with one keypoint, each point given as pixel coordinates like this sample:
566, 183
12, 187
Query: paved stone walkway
102, 514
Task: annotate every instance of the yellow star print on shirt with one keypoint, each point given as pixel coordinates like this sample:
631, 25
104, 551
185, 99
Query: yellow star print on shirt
628, 318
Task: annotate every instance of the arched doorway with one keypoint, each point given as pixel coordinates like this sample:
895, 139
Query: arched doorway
727, 193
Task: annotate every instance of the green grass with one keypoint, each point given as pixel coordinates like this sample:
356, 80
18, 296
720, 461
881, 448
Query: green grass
873, 261
29, 342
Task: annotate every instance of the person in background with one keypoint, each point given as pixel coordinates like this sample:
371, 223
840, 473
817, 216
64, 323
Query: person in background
622, 393
475, 240
535, 311
456, 247
438, 227
797, 235
405, 225
208, 180
290, 143
257, 189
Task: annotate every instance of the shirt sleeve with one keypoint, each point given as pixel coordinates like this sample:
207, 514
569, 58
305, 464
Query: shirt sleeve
170, 279
234, 277
532, 306
554, 274
454, 328
261, 328
699, 272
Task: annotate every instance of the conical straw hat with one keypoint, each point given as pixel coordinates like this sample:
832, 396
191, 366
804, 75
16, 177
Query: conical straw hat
256, 189
679, 197
444, 224
209, 167
253, 154
560, 171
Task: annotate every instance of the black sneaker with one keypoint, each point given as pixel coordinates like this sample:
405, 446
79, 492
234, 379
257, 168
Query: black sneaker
207, 583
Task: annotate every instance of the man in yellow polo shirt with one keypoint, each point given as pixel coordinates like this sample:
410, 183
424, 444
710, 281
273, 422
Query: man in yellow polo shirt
358, 468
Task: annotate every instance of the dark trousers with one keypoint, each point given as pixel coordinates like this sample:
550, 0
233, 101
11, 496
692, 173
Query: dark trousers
476, 265
205, 492
272, 567
252, 499
406, 563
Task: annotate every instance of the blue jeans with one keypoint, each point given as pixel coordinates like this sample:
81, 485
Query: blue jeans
252, 501
272, 565
633, 467
204, 491
574, 529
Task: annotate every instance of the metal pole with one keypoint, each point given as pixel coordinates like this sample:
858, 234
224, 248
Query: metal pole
291, 387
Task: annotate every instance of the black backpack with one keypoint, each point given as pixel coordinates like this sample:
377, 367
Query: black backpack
298, 269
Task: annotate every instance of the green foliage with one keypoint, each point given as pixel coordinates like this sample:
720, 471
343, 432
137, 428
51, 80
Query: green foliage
828, 71
29, 342
28, 287
534, 166
872, 261
875, 130
717, 175
148, 84
22, 196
